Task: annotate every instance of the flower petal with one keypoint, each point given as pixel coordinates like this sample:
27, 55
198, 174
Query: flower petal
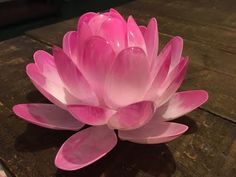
90, 115
96, 22
96, 62
132, 116
73, 79
165, 94
128, 79
114, 31
182, 103
151, 40
143, 29
176, 44
57, 94
48, 116
46, 66
135, 37
154, 132
85, 147
160, 77
85, 19
70, 45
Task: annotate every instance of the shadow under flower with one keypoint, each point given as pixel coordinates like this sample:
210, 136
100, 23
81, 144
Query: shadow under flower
129, 160
36, 138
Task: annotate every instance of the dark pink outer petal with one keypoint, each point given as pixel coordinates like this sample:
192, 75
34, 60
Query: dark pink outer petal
128, 79
48, 116
90, 115
85, 19
85, 147
154, 132
182, 103
73, 79
132, 116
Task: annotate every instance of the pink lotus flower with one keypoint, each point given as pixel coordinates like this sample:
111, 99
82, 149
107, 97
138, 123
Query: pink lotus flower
109, 75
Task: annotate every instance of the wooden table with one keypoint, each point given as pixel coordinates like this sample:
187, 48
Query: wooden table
208, 149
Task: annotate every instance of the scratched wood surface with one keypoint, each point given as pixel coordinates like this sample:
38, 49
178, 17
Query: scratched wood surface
209, 147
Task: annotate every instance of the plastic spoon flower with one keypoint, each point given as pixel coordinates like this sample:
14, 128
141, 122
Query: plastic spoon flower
110, 75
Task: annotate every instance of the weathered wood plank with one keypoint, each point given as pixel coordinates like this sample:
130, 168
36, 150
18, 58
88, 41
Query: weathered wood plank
210, 69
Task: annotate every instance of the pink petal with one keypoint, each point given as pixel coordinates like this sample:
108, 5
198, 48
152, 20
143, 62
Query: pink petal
73, 79
182, 103
96, 62
132, 116
85, 19
114, 31
46, 66
114, 11
159, 78
83, 34
128, 79
175, 83
70, 45
135, 37
176, 44
96, 22
57, 94
48, 116
154, 132
151, 40
90, 115
85, 147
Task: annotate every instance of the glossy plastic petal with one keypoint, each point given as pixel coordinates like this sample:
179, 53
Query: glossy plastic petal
132, 116
175, 83
96, 62
57, 94
91, 115
154, 132
135, 37
48, 116
128, 79
114, 31
70, 45
46, 66
182, 103
151, 39
85, 147
73, 79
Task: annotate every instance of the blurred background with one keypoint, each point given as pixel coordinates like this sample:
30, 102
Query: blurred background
17, 16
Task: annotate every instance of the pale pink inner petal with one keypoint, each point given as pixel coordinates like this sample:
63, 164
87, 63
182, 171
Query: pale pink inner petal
96, 22
154, 132
182, 103
132, 116
128, 79
73, 79
46, 66
91, 115
135, 37
48, 116
54, 92
85, 147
